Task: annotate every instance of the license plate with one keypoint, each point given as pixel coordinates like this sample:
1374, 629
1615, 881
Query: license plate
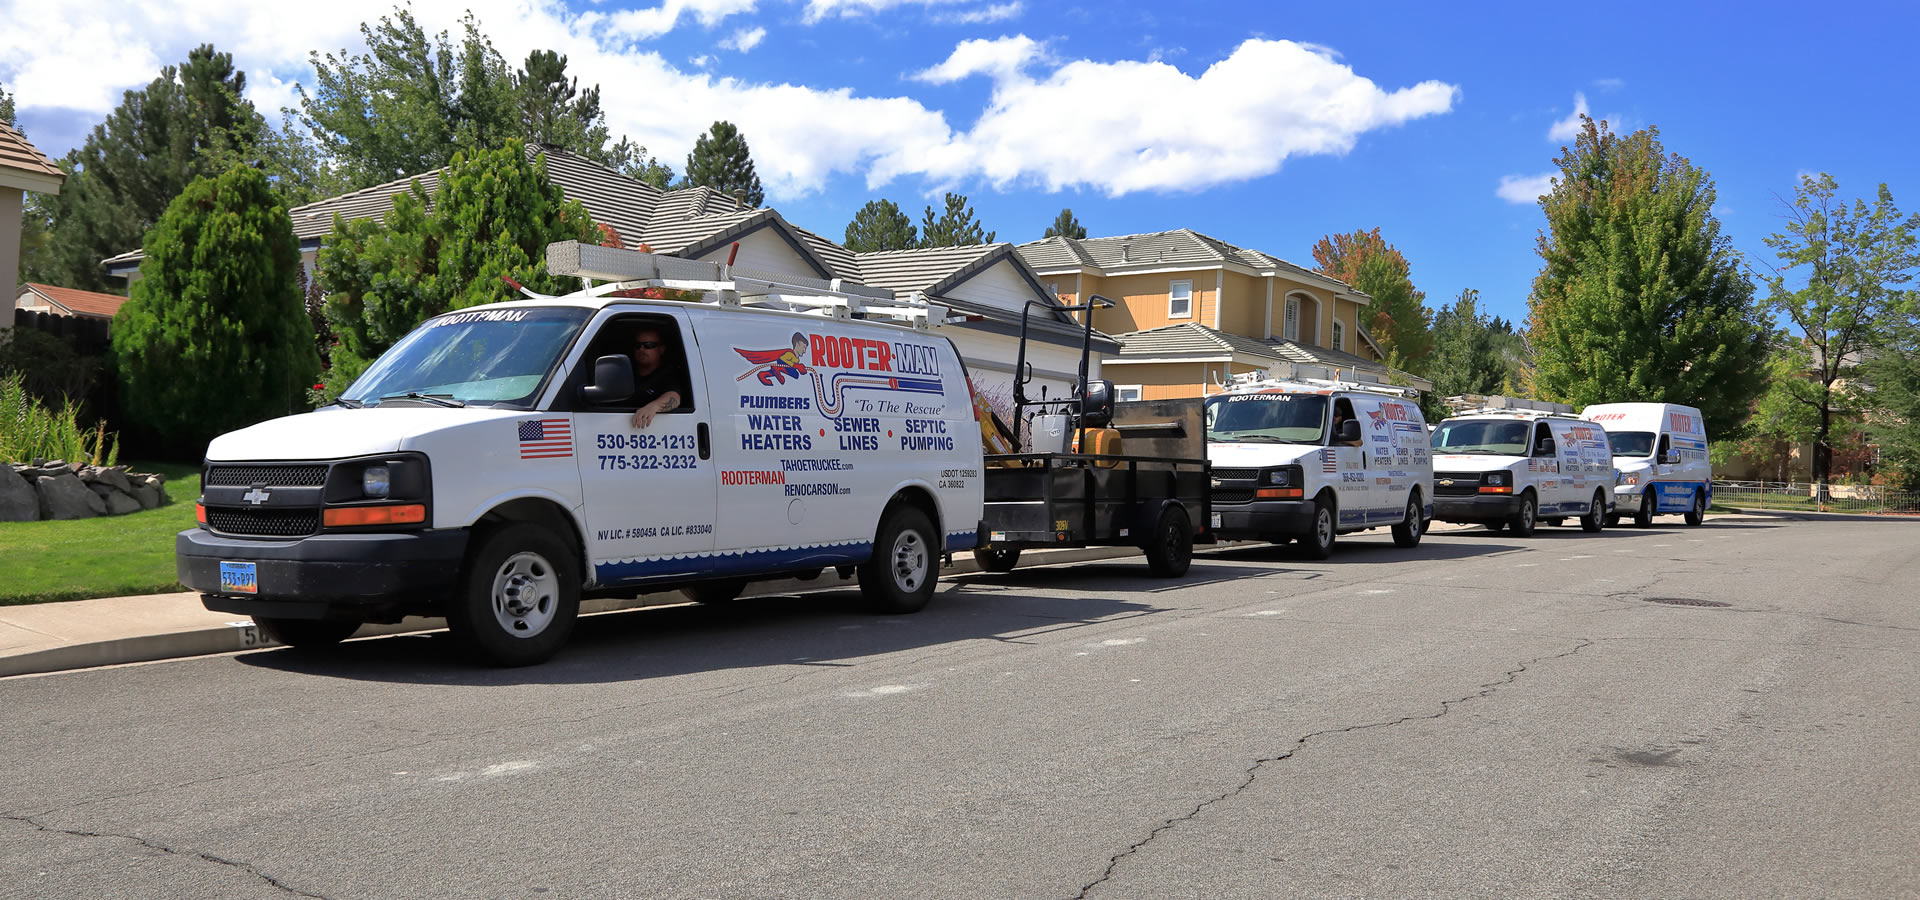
1216, 520
238, 578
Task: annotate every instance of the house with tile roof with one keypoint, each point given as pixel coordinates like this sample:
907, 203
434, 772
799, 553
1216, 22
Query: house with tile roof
67, 301
1191, 310
22, 168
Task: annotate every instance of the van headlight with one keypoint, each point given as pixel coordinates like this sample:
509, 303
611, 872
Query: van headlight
1497, 479
1627, 478
1283, 477
376, 481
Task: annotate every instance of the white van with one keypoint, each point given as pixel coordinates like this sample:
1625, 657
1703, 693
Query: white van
1517, 463
487, 468
1661, 449
1314, 458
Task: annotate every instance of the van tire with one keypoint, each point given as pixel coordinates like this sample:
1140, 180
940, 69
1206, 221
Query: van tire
1169, 546
1698, 513
518, 597
1318, 543
1596, 516
715, 592
900, 575
1524, 521
307, 634
1643, 517
1411, 529
995, 559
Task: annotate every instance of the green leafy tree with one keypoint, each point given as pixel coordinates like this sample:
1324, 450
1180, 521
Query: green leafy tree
1466, 357
156, 142
390, 112
722, 161
1894, 372
880, 225
1066, 226
1398, 317
1639, 296
6, 106
214, 337
1848, 263
491, 219
633, 160
954, 227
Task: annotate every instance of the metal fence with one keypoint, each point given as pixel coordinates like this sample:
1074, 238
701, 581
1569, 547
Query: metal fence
1798, 495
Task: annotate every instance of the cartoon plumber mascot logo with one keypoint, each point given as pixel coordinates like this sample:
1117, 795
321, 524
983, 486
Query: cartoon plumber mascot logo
776, 366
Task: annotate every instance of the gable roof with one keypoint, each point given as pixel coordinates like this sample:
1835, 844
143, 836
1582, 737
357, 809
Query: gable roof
1179, 247
24, 167
844, 263
88, 304
1188, 339
934, 271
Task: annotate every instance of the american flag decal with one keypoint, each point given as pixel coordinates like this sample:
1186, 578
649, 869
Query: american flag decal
1328, 462
546, 439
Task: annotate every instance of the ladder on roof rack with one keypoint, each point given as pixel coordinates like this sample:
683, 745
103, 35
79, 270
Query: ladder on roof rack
1465, 404
1295, 375
723, 285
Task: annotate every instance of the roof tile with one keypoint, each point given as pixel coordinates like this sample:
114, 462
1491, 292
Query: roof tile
90, 304
19, 154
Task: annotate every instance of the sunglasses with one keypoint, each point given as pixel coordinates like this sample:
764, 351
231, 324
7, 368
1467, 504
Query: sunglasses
648, 345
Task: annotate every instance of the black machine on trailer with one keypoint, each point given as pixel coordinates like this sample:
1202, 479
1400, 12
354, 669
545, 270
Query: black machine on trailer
1080, 499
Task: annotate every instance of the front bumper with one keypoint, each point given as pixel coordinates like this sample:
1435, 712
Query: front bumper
1476, 510
365, 576
1264, 519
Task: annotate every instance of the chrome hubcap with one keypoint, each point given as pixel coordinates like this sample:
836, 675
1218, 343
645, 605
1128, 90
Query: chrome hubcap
909, 561
526, 593
1323, 527
1413, 518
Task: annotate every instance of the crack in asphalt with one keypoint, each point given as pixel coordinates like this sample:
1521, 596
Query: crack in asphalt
1253, 771
188, 854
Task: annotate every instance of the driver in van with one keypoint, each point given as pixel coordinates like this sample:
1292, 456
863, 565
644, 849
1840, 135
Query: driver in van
1342, 412
657, 384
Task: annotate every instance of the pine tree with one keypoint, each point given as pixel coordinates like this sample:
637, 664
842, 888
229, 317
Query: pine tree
954, 227
388, 113
215, 336
1066, 226
131, 167
633, 160
1398, 317
880, 225
722, 161
6, 107
1640, 297
1466, 357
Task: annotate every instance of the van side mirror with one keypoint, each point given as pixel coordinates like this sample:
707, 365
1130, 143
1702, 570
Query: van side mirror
1349, 432
612, 380
1097, 408
1670, 458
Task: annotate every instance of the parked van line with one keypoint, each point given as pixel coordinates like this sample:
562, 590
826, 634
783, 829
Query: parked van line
1516, 468
1661, 450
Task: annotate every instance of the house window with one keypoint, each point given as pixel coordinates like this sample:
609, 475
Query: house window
1180, 300
1291, 330
1126, 393
1053, 288
1339, 335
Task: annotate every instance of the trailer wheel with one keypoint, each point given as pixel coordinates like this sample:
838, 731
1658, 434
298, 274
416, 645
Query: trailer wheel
1698, 513
1644, 516
1170, 546
899, 577
518, 599
1409, 531
997, 559
306, 634
1523, 521
1596, 514
1319, 542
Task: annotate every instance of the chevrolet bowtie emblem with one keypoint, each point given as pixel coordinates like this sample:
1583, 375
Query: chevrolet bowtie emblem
1216, 482
256, 496
1447, 481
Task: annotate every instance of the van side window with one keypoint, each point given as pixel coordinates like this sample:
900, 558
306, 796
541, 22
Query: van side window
1543, 440
1665, 445
658, 350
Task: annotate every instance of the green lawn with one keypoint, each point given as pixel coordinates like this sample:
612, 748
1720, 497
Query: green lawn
114, 556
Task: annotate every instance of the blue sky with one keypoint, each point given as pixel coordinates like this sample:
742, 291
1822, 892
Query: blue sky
1264, 126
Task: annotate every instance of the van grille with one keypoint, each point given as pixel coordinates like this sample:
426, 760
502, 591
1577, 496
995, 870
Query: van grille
1465, 484
1236, 474
1232, 495
264, 522
273, 476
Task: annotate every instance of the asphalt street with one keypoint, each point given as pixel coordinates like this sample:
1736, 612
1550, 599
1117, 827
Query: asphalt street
1723, 711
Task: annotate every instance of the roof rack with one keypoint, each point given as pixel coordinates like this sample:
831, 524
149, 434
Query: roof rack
723, 285
1318, 378
1469, 404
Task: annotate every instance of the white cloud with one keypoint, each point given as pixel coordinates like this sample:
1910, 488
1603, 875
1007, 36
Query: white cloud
1609, 84
997, 12
1000, 59
1565, 129
821, 9
700, 62
745, 39
639, 24
1524, 189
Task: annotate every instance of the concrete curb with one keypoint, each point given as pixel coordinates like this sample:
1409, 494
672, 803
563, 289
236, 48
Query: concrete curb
244, 635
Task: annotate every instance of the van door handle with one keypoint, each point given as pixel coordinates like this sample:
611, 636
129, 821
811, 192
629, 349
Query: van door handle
705, 440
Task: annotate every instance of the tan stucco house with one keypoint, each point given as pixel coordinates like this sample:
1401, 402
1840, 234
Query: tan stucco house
22, 168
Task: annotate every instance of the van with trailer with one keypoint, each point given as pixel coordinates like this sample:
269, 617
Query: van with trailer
1661, 451
1300, 455
1505, 462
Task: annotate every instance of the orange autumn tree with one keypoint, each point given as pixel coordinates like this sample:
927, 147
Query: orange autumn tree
1398, 318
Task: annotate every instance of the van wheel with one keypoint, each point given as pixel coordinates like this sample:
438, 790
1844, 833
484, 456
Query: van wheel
997, 559
715, 591
1319, 542
1409, 531
1524, 520
1699, 512
1170, 546
1643, 517
306, 634
899, 577
1596, 514
518, 599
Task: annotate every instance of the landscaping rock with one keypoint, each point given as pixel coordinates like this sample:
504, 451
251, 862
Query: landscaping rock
116, 476
55, 467
119, 504
148, 496
65, 497
19, 502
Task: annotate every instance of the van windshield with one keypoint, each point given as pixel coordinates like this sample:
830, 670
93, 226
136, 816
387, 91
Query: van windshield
1489, 436
1631, 443
497, 357
1267, 418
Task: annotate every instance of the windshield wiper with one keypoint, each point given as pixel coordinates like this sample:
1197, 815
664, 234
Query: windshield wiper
343, 402
435, 399
1251, 439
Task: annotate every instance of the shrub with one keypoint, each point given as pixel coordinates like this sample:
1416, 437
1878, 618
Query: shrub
30, 431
